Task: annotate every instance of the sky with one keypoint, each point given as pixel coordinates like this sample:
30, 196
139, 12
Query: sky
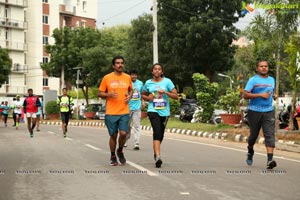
117, 12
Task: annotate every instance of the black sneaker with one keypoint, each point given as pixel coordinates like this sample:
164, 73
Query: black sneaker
31, 134
271, 164
158, 162
113, 161
65, 134
136, 147
249, 160
121, 157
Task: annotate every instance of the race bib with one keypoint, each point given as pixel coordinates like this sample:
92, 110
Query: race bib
159, 104
135, 96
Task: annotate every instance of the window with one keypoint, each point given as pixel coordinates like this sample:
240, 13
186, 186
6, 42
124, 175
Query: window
83, 5
45, 40
45, 60
45, 19
45, 81
83, 23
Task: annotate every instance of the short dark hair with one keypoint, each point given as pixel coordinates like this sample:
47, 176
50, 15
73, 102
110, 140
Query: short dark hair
30, 90
133, 71
261, 60
117, 57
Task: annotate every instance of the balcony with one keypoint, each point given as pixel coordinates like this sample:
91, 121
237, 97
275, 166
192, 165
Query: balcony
16, 24
19, 68
19, 3
69, 10
9, 90
14, 46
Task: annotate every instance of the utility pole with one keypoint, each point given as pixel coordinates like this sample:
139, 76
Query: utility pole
155, 40
77, 88
62, 78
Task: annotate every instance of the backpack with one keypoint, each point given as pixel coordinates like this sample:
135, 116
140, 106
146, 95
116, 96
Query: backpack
69, 104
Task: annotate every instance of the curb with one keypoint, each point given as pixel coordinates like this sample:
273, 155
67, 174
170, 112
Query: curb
280, 144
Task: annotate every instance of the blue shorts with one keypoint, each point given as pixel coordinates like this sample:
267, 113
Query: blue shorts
114, 123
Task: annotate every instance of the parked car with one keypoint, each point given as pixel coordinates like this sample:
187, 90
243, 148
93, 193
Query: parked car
99, 108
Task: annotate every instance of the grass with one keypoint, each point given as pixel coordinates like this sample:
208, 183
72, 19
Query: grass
176, 123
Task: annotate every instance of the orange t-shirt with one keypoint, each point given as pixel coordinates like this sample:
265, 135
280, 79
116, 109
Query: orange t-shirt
119, 84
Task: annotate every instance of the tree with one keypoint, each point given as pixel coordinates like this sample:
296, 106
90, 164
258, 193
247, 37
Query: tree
270, 31
78, 48
5, 65
139, 49
206, 94
197, 36
293, 50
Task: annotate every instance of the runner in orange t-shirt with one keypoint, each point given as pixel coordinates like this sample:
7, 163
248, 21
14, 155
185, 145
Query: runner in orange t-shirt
116, 87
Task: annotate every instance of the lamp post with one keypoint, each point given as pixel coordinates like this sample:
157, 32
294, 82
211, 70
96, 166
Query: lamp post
224, 75
155, 42
77, 87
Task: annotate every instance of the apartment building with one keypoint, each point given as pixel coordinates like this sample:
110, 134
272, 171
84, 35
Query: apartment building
26, 27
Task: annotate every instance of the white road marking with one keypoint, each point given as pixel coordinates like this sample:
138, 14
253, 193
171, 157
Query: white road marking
230, 148
51, 132
150, 173
70, 139
93, 147
184, 193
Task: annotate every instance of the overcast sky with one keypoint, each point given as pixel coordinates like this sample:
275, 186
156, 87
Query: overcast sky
116, 12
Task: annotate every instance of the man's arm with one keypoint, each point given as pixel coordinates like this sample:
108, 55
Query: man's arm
248, 95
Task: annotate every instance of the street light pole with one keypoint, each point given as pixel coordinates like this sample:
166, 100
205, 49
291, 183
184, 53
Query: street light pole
155, 42
77, 87
224, 75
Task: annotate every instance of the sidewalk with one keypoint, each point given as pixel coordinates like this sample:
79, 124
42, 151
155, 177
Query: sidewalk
280, 144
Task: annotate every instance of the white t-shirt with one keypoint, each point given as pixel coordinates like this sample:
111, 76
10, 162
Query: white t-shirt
81, 109
18, 107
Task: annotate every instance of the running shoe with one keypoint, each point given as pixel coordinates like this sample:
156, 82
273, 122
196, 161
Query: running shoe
136, 147
113, 161
249, 160
121, 157
158, 162
31, 134
271, 164
65, 134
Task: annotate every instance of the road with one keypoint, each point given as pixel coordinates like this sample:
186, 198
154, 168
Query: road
51, 167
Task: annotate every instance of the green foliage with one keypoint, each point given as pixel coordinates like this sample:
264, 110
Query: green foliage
174, 106
206, 94
292, 48
270, 32
195, 37
78, 48
5, 65
189, 92
51, 107
139, 53
230, 101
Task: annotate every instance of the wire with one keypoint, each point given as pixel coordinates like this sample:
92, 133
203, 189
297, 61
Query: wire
122, 12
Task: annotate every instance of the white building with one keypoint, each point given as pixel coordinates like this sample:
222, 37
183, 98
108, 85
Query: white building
26, 26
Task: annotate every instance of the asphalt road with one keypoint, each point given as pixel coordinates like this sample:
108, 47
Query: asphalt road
51, 167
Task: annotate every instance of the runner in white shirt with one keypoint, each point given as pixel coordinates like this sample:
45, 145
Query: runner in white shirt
17, 110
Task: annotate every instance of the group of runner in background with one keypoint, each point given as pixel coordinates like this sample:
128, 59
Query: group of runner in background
29, 111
